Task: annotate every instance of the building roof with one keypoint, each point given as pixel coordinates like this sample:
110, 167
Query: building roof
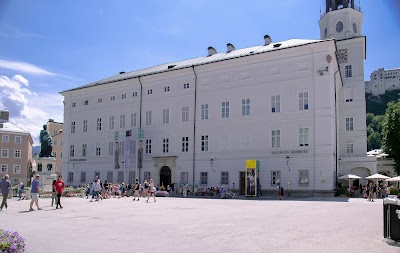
8, 127
200, 61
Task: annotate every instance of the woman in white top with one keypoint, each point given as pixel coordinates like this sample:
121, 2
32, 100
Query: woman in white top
152, 191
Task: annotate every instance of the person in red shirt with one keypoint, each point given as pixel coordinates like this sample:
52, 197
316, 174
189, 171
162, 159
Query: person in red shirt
59, 188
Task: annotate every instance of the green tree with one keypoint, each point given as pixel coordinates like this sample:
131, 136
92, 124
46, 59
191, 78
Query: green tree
391, 133
370, 118
374, 141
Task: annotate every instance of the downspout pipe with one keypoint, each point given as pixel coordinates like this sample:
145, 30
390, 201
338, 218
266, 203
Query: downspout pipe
140, 118
194, 126
337, 129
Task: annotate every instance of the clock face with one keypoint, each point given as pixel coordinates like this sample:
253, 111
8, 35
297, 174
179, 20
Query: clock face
342, 55
339, 27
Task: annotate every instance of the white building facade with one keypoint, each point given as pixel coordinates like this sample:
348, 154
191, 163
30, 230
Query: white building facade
286, 104
383, 80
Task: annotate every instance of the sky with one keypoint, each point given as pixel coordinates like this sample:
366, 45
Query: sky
49, 46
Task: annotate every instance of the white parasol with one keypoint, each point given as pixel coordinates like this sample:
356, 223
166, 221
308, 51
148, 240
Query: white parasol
349, 177
377, 177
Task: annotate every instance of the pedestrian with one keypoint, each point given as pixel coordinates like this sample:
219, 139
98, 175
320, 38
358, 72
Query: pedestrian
146, 188
20, 189
5, 186
136, 190
280, 191
96, 189
152, 191
53, 193
374, 192
59, 188
87, 190
35, 193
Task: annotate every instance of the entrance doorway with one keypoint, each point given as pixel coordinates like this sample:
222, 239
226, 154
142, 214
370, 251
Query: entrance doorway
242, 184
165, 176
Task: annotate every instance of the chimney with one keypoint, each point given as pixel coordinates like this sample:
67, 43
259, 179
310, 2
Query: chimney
211, 51
51, 120
267, 40
122, 72
229, 48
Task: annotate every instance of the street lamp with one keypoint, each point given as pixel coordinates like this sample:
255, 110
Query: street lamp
287, 164
211, 163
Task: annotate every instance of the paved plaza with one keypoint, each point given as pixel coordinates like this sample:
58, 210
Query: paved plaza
200, 225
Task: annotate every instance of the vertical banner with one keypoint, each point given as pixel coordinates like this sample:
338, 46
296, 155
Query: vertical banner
251, 178
139, 153
128, 145
116, 152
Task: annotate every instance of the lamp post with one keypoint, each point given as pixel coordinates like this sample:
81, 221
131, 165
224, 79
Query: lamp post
211, 163
287, 164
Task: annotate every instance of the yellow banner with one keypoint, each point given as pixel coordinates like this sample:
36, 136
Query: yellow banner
251, 164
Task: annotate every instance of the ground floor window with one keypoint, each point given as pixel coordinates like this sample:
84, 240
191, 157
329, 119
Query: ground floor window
275, 177
224, 178
184, 177
203, 178
110, 176
303, 177
131, 177
83, 177
70, 176
120, 176
147, 175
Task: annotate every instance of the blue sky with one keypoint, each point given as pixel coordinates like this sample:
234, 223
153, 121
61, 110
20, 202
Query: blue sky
49, 46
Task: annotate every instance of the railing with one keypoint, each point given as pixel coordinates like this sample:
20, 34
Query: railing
357, 8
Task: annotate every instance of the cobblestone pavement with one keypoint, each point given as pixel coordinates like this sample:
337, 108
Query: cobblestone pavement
200, 225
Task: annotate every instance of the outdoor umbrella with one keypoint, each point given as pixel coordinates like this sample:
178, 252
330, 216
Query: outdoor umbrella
349, 177
377, 177
393, 179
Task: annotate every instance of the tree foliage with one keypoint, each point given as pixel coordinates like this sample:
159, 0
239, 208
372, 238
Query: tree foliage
374, 130
374, 141
391, 133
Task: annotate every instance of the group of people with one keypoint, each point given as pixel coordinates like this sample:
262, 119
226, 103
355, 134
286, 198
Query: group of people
100, 191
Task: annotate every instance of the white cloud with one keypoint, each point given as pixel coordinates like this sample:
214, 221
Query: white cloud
25, 68
28, 110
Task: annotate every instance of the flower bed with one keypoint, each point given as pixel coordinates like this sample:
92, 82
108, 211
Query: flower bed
11, 242
161, 194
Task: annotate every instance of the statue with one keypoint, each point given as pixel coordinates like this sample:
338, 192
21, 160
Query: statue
46, 145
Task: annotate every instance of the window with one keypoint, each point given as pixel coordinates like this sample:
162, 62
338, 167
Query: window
204, 143
148, 146
149, 92
185, 113
303, 177
275, 177
111, 124
54, 154
203, 178
133, 147
121, 176
98, 149
184, 178
73, 104
165, 116
276, 103
245, 140
133, 119
99, 100
245, 107
204, 111
123, 96
83, 176
110, 176
5, 138
4, 153
86, 102
39, 167
303, 137
70, 177
349, 149
17, 169
147, 175
72, 127
276, 138
84, 149
165, 145
303, 100
225, 109
225, 178
122, 121
348, 94
4, 168
186, 86
85, 122
55, 142
349, 124
98, 124
71, 150
148, 118
185, 144
131, 177
17, 154
112, 98
134, 94
339, 27
111, 148
121, 148
18, 139
97, 174
348, 72
166, 88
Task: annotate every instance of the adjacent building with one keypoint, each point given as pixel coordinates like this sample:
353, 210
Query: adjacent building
383, 80
297, 106
16, 153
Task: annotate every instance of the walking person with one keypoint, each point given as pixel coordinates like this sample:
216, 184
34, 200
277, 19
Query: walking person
96, 189
136, 190
146, 188
35, 193
152, 191
280, 191
5, 186
20, 189
59, 188
53, 193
